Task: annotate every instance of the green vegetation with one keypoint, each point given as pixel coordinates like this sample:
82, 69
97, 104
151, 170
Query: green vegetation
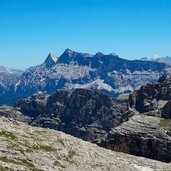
28, 149
57, 163
165, 123
123, 97
17, 147
71, 154
18, 162
5, 169
43, 148
7, 134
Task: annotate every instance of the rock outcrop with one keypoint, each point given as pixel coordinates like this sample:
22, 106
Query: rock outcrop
141, 136
81, 113
29, 148
153, 98
99, 118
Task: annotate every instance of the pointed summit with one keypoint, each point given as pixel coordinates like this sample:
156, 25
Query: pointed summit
67, 56
69, 52
50, 60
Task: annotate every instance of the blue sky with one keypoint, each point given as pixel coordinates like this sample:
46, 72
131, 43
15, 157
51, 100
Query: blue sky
30, 29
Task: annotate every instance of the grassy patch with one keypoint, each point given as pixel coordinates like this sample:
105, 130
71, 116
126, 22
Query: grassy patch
7, 134
28, 149
123, 97
43, 148
16, 147
71, 154
5, 169
18, 162
57, 163
165, 123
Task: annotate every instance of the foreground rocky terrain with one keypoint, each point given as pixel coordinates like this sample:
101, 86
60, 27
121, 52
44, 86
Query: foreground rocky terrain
109, 74
29, 148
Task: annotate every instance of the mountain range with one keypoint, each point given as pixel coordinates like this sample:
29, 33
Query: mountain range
109, 74
8, 77
166, 59
140, 127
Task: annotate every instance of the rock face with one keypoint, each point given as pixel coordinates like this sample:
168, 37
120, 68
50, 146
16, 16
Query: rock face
154, 98
142, 136
29, 148
99, 118
106, 73
81, 113
7, 78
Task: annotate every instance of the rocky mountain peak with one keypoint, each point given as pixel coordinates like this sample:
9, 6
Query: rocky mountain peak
4, 70
69, 52
67, 56
50, 60
99, 54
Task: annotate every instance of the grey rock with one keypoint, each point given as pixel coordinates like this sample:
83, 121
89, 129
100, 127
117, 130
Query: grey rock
29, 148
142, 136
81, 113
153, 98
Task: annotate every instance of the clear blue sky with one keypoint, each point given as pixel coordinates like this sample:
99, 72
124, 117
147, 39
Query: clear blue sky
30, 29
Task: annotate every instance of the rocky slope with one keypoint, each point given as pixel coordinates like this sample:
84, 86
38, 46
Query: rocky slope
100, 119
109, 74
82, 113
29, 148
142, 136
153, 99
7, 78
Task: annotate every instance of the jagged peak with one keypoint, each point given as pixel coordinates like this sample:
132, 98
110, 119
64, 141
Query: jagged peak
52, 57
50, 60
69, 52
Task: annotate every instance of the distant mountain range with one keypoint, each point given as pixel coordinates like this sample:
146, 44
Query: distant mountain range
166, 59
109, 74
8, 77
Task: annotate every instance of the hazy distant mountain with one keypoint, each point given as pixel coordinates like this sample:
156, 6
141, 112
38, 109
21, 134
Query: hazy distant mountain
7, 78
107, 73
166, 59
4, 70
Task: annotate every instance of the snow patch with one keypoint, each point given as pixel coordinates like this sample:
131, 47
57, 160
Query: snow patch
17, 84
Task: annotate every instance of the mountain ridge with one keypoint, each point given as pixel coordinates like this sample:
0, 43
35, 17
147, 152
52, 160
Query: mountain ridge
109, 74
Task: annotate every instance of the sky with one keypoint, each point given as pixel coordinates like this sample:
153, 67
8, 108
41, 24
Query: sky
30, 29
